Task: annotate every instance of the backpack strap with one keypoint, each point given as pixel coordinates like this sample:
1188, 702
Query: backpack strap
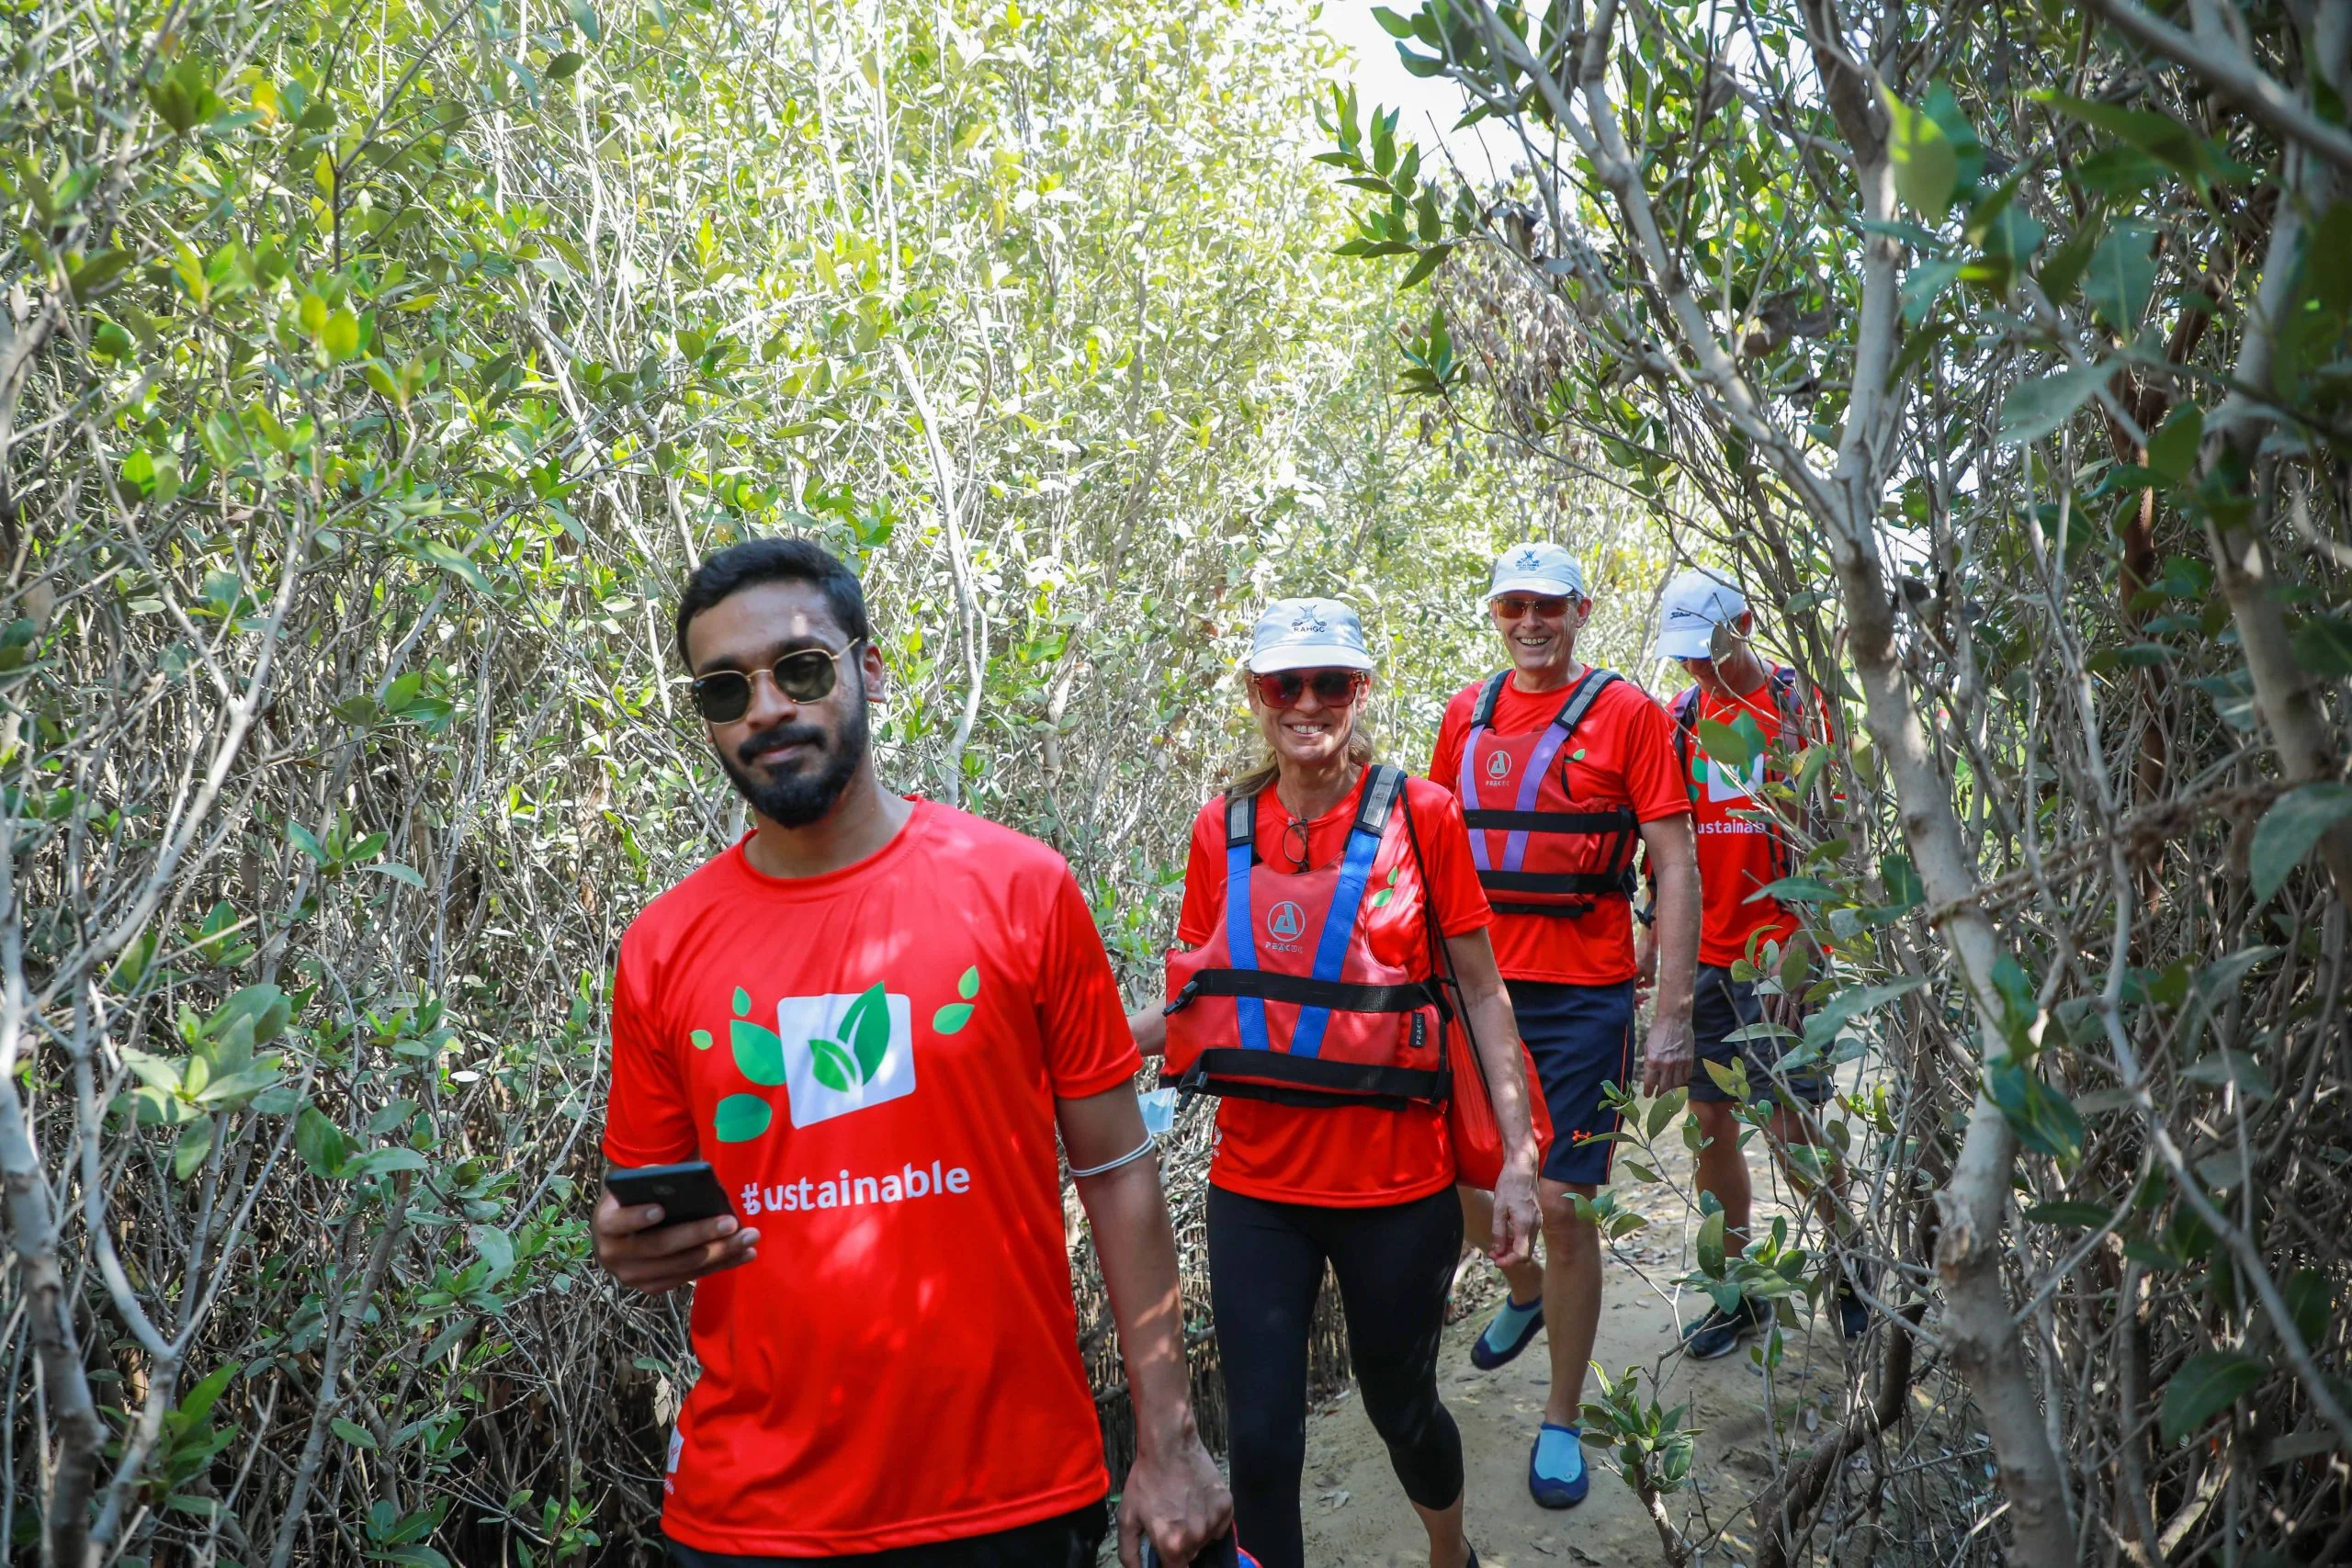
1482, 716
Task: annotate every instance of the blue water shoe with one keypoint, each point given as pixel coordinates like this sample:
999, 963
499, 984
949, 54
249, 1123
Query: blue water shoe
1557, 1477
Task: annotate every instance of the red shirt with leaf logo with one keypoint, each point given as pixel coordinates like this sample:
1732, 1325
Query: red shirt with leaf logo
1736, 841
1342, 1157
1622, 752
869, 1059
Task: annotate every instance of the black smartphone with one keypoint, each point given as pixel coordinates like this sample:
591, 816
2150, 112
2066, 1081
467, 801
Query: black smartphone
687, 1192
1224, 1551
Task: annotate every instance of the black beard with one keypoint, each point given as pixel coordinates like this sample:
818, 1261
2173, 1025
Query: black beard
798, 798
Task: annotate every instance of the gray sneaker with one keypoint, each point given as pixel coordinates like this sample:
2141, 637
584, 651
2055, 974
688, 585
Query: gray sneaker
1720, 1332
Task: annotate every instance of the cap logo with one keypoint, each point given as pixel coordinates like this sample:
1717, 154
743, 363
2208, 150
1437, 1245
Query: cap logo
1530, 558
1286, 920
1309, 621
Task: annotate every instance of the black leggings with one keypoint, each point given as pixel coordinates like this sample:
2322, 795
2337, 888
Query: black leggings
1394, 1266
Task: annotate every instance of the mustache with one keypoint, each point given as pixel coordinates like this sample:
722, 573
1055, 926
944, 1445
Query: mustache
748, 750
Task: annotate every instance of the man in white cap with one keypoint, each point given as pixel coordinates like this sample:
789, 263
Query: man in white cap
1742, 850
1562, 770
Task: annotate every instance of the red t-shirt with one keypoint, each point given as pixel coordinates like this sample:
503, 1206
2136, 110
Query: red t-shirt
1622, 750
1735, 850
1342, 1156
870, 1060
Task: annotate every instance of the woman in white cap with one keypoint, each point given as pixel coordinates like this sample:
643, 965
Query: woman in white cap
1319, 890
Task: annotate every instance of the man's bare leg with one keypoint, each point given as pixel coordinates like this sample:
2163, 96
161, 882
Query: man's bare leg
1571, 1295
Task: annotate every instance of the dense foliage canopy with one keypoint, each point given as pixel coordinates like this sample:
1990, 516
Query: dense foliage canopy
369, 375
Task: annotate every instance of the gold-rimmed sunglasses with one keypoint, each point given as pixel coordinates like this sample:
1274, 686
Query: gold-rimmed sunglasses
805, 676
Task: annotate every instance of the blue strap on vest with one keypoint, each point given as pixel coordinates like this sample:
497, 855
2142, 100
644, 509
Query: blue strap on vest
1381, 788
1240, 930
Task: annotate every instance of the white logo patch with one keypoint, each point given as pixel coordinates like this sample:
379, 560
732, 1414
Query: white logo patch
1499, 766
845, 1052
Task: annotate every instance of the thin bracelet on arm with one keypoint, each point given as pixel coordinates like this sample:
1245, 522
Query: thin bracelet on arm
1128, 1158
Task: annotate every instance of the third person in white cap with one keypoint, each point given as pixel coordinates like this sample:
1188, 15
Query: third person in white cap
1744, 848
1562, 770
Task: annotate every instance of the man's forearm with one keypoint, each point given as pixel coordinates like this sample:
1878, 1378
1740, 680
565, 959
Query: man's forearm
1137, 1250
1678, 938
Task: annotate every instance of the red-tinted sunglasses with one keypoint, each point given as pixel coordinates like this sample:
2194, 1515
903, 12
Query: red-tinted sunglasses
1331, 687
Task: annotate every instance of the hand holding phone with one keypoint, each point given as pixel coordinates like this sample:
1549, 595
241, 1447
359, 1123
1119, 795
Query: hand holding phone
658, 1227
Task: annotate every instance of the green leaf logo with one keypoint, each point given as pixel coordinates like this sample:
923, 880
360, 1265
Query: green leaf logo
951, 1019
759, 1054
834, 1067
741, 1118
701, 1037
1380, 898
865, 1028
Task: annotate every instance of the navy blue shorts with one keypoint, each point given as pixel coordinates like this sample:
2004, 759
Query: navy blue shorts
1581, 1038
1719, 1007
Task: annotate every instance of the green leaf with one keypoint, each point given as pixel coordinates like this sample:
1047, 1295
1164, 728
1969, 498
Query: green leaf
564, 66
2310, 1302
1926, 166
2080, 1216
1967, 149
196, 1143
584, 17
1711, 1245
1726, 745
2295, 821
951, 1019
866, 1030
2206, 1383
701, 1038
456, 565
321, 1143
340, 335
1797, 890
2172, 447
740, 1118
759, 1054
2036, 408
834, 1067
2122, 272
383, 1162
351, 1432
2324, 646
968, 985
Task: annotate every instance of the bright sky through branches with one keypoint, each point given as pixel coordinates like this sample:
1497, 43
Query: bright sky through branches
1484, 151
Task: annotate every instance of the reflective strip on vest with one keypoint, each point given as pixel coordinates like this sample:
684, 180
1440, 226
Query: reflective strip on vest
1330, 944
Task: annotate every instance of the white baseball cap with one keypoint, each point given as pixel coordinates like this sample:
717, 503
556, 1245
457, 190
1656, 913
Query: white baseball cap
1696, 604
1538, 566
1307, 634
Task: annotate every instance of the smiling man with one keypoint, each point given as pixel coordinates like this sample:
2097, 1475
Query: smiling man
870, 1016
1562, 770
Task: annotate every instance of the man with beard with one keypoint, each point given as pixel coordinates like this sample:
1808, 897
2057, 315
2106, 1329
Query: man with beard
870, 1015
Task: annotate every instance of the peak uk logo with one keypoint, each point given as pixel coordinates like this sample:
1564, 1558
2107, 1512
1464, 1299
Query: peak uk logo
1286, 920
1498, 767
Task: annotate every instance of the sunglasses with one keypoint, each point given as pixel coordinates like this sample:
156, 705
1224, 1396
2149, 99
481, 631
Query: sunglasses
1513, 606
805, 676
1331, 687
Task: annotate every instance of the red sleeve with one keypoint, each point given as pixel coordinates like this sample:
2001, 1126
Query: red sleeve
1653, 776
1081, 1018
1445, 762
1450, 878
648, 1119
1196, 919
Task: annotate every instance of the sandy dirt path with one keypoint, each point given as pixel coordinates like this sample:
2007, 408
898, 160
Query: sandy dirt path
1357, 1516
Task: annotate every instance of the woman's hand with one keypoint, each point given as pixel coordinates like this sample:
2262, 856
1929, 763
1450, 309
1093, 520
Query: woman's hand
1148, 1025
1511, 1239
